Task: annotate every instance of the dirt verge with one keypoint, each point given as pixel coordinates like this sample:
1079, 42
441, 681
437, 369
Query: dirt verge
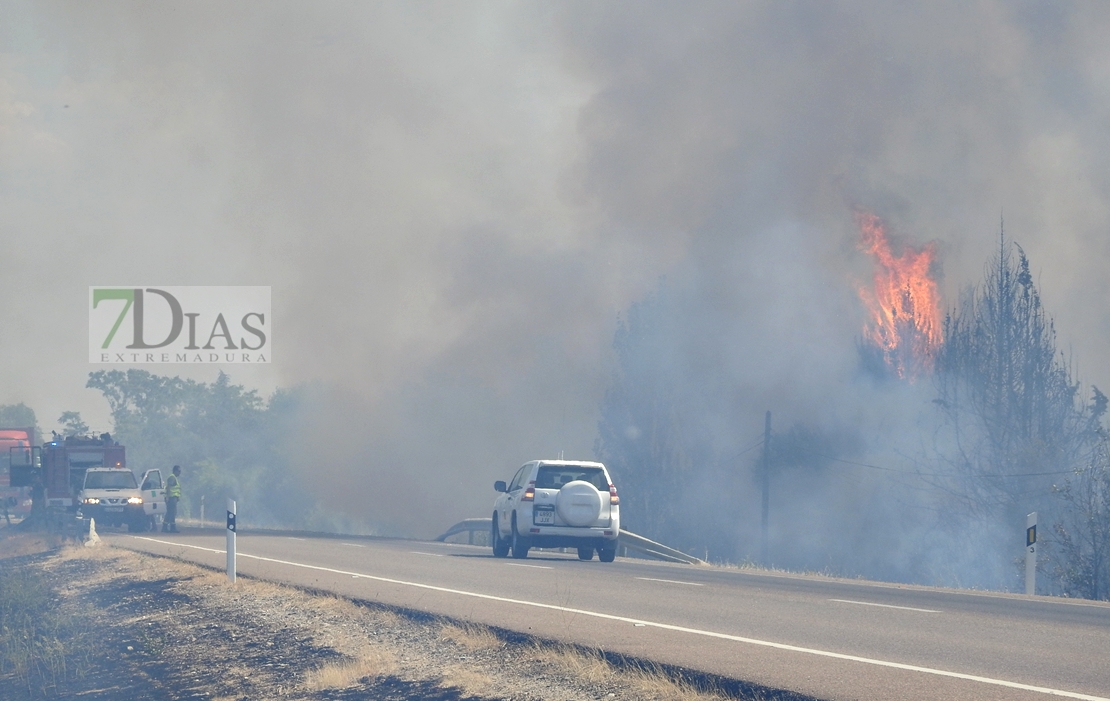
119, 624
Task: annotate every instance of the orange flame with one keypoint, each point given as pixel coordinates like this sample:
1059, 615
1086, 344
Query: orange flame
905, 305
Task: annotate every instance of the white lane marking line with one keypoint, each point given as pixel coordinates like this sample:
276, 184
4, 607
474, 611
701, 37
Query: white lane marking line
520, 564
663, 626
353, 545
670, 581
417, 552
289, 537
885, 606
1040, 600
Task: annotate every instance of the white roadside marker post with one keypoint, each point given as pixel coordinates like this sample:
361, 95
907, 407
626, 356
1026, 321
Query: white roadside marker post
231, 540
1031, 554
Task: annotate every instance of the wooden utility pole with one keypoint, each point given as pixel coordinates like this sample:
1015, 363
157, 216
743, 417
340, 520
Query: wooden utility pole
764, 555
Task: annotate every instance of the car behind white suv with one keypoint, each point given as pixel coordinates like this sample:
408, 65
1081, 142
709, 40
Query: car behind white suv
557, 504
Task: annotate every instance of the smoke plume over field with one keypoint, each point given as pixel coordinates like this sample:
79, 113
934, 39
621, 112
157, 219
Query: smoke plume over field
454, 202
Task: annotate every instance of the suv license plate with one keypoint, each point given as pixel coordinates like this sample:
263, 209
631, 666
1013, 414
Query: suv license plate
545, 516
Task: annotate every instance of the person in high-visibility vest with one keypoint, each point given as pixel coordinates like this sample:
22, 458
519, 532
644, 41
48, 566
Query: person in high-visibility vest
173, 495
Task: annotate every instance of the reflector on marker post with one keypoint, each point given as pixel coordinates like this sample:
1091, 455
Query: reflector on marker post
231, 540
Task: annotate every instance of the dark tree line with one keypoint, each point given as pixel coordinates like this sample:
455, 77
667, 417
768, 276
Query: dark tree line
1008, 395
229, 441
1080, 559
18, 416
1017, 434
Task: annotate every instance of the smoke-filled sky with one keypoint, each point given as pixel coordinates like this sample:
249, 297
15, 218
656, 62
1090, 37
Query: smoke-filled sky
453, 201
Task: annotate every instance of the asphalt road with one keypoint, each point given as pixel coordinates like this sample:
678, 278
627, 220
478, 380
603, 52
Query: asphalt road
832, 639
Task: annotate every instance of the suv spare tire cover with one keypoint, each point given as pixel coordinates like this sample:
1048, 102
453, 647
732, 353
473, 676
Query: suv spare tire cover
578, 503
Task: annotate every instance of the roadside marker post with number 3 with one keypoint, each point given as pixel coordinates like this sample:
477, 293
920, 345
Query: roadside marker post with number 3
231, 540
1031, 554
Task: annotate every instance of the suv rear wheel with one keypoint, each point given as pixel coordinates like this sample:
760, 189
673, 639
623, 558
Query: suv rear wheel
607, 554
500, 546
520, 543
585, 553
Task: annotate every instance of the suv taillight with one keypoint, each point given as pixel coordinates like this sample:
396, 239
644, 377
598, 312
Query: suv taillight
613, 498
529, 494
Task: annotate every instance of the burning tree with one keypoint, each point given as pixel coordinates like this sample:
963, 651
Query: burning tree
1012, 419
904, 332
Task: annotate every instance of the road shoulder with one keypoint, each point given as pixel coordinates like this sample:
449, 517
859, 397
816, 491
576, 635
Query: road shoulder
143, 626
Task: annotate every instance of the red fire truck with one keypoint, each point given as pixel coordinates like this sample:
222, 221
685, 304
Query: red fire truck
65, 461
61, 466
16, 448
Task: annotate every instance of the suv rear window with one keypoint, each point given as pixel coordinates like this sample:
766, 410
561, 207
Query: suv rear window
555, 476
109, 480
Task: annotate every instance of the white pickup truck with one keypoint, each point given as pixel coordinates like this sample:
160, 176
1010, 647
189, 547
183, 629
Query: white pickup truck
112, 497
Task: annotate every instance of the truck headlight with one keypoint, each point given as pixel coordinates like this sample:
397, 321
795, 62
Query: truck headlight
91, 500
134, 500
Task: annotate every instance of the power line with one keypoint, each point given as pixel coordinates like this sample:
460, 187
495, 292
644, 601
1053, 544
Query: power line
749, 449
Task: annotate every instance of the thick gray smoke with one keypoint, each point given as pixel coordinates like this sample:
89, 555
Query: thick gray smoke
453, 203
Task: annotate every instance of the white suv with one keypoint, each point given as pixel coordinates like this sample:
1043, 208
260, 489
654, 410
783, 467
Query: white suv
557, 504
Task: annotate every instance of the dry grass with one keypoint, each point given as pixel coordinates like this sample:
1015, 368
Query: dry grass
79, 552
590, 667
14, 543
341, 608
470, 682
370, 661
361, 660
260, 587
649, 684
469, 636
472, 638
120, 564
129, 564
657, 686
